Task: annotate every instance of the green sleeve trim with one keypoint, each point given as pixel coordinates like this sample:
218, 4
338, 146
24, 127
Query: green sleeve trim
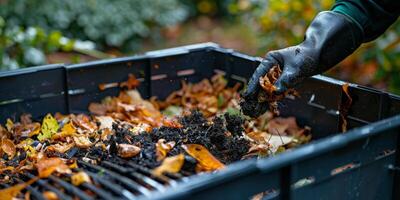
371, 15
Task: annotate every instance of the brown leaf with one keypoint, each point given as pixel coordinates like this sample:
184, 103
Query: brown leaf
98, 109
79, 178
84, 122
163, 147
206, 160
26, 119
128, 150
131, 83
170, 165
46, 166
11, 192
267, 84
8, 147
61, 148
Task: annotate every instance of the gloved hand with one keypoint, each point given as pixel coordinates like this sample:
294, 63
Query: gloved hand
329, 39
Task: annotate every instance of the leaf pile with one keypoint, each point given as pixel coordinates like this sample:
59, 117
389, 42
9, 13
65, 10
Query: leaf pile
198, 128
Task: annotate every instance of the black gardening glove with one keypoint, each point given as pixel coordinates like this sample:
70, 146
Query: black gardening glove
329, 39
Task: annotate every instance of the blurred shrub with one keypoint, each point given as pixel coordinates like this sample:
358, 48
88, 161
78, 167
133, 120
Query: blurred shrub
22, 47
282, 23
119, 23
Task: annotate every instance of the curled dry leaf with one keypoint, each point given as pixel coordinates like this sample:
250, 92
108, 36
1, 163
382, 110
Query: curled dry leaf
131, 83
345, 107
79, 178
8, 147
171, 164
67, 130
84, 122
128, 150
11, 192
46, 166
60, 148
267, 84
82, 141
163, 147
206, 160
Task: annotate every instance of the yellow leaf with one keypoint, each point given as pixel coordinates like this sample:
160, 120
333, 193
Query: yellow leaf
11, 192
171, 165
206, 160
67, 130
162, 148
49, 127
9, 125
79, 178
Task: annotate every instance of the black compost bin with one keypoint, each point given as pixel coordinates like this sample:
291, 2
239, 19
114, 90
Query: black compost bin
362, 163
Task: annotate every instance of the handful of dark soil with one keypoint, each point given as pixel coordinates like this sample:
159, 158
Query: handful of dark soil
266, 98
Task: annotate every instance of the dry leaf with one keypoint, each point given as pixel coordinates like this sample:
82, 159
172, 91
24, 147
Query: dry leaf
131, 83
163, 147
11, 192
105, 122
8, 147
105, 134
170, 165
206, 160
49, 127
84, 122
267, 84
61, 148
79, 178
345, 107
67, 130
49, 195
46, 166
9, 125
98, 108
82, 141
127, 150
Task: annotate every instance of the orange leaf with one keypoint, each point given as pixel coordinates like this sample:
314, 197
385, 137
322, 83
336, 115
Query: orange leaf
163, 148
46, 166
79, 178
8, 147
207, 161
49, 195
171, 165
131, 83
11, 192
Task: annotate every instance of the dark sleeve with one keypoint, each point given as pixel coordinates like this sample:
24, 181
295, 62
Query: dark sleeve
372, 16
